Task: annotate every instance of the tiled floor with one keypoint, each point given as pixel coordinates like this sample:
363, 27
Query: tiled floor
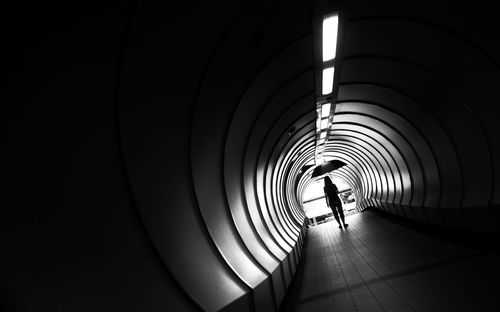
377, 265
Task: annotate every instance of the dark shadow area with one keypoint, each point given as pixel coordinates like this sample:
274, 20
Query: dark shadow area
477, 240
291, 298
354, 286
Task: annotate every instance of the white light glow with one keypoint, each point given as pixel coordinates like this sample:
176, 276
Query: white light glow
330, 30
327, 80
322, 135
325, 110
324, 123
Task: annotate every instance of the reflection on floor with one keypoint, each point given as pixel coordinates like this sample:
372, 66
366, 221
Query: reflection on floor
377, 265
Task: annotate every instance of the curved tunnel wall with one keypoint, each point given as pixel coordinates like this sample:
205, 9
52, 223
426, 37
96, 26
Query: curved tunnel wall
172, 180
414, 144
421, 87
254, 82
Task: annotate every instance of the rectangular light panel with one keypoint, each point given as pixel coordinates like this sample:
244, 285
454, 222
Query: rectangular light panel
325, 110
330, 30
324, 123
327, 82
319, 160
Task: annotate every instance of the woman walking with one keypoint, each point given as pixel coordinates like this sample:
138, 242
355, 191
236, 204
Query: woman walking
333, 201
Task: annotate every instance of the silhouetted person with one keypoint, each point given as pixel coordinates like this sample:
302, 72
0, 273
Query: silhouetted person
333, 201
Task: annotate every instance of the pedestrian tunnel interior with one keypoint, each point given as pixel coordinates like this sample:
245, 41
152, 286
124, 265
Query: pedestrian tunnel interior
414, 121
216, 124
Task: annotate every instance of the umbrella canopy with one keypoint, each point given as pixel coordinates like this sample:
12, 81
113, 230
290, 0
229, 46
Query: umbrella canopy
301, 173
327, 167
305, 168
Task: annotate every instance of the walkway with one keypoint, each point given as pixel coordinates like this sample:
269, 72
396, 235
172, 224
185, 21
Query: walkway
377, 265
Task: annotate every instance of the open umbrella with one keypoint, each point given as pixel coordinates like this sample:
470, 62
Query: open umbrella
301, 173
327, 167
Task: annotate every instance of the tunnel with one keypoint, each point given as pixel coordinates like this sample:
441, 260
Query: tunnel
156, 153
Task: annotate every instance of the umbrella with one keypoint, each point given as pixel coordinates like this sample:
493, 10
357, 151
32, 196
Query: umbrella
327, 167
301, 173
305, 168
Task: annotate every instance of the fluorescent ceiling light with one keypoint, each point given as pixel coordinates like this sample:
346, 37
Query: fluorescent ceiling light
325, 110
327, 86
324, 123
330, 29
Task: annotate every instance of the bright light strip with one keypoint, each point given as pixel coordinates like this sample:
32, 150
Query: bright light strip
330, 30
327, 85
319, 160
325, 110
324, 124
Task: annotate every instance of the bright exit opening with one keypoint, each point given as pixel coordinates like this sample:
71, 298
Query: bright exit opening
314, 201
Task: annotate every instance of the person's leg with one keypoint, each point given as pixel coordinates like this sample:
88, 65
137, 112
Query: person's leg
340, 210
336, 216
